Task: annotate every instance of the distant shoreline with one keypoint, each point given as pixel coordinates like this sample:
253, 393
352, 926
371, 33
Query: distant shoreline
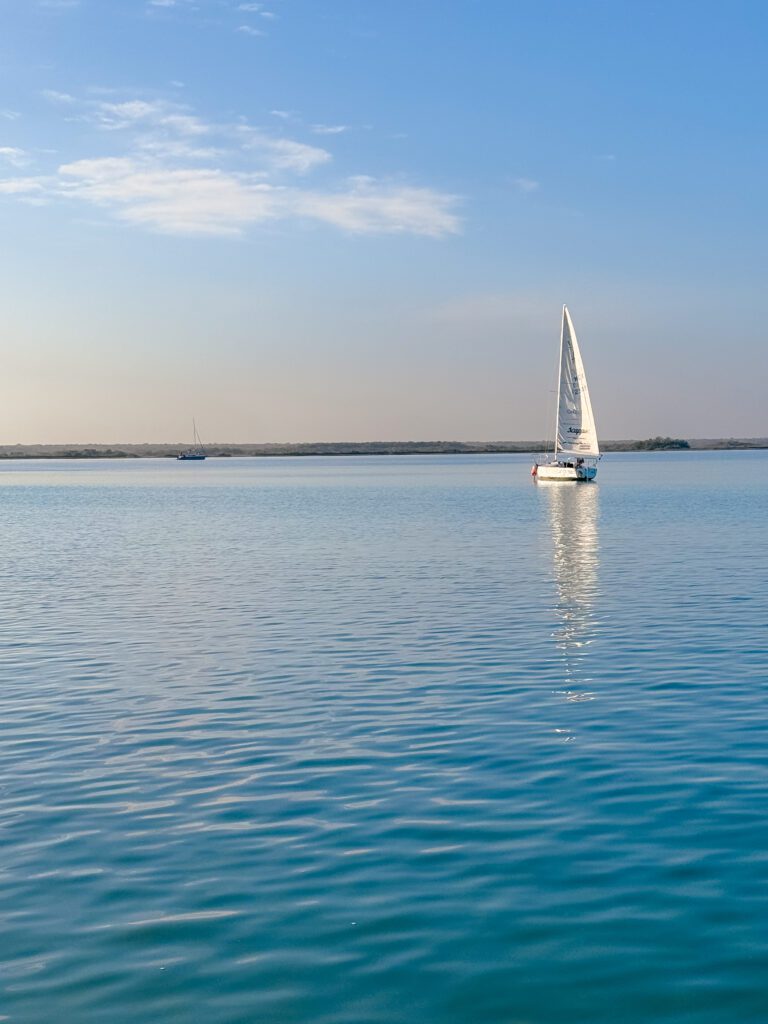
168, 451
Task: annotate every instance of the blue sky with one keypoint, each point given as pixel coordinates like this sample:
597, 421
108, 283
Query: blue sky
353, 220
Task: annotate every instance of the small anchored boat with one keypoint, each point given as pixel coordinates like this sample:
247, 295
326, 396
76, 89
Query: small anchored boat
576, 450
196, 453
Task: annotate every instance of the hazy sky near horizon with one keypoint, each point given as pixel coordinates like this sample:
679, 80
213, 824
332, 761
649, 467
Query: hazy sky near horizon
351, 220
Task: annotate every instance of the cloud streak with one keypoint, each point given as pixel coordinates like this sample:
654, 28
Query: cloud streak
178, 174
14, 156
329, 129
22, 186
215, 202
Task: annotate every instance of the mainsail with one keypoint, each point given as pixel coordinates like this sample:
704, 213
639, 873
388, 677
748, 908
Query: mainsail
575, 433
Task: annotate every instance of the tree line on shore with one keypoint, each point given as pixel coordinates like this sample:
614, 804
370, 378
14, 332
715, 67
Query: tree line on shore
139, 451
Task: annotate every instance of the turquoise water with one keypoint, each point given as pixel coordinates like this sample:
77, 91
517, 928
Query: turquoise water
395, 739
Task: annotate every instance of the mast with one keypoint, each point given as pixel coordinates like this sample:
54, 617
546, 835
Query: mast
198, 440
559, 379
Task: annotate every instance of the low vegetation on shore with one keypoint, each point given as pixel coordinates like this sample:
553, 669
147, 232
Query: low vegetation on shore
659, 444
165, 451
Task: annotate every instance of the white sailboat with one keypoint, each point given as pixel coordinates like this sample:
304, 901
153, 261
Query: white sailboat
576, 447
196, 453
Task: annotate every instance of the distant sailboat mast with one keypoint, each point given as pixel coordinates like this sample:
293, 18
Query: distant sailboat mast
197, 452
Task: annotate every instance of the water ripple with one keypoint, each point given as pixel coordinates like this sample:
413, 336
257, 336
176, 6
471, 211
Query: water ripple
362, 740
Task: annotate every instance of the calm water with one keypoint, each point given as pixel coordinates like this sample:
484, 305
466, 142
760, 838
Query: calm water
384, 739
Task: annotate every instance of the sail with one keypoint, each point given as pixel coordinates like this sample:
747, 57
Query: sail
576, 432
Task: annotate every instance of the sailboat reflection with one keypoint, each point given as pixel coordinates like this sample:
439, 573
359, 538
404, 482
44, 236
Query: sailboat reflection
573, 513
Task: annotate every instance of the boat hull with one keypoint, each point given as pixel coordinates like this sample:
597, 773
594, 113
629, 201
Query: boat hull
190, 458
566, 474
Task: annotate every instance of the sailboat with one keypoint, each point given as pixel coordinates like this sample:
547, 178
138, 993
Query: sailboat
196, 453
576, 448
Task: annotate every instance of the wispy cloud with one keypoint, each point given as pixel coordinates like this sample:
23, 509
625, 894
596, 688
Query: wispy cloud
525, 184
178, 5
329, 129
157, 114
57, 97
14, 156
29, 191
215, 202
183, 201
179, 174
22, 186
368, 206
283, 154
221, 8
249, 30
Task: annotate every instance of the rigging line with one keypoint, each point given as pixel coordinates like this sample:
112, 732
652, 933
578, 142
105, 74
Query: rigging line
558, 384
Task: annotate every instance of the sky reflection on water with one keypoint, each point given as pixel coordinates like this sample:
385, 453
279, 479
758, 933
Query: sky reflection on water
384, 739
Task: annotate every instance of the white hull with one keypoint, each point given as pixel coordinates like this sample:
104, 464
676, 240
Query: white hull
574, 474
